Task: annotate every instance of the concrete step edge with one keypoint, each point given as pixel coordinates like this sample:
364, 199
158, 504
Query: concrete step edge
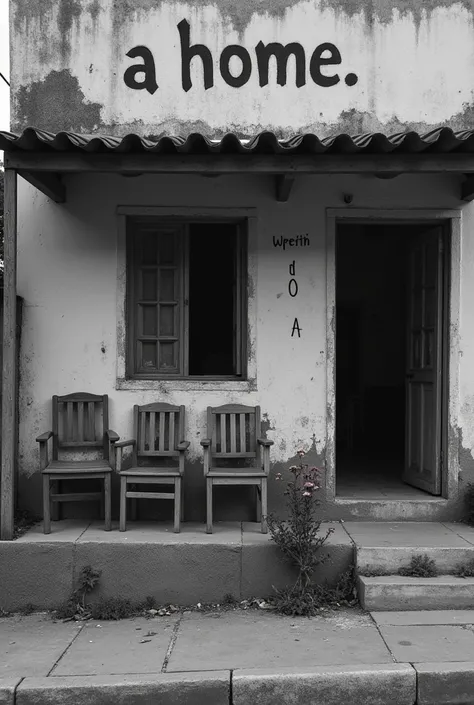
194, 688
391, 558
445, 683
327, 685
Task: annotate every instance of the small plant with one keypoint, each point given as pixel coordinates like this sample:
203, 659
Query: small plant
318, 597
469, 503
75, 606
421, 566
229, 600
114, 608
299, 537
465, 570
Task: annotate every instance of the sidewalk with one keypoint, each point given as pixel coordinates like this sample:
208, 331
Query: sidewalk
240, 657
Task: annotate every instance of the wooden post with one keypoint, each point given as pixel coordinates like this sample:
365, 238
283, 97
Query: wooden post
9, 401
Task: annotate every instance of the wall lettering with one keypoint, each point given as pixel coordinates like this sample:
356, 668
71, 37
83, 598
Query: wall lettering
147, 68
293, 287
298, 241
324, 55
296, 328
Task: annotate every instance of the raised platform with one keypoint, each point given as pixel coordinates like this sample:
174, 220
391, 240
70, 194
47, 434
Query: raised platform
150, 560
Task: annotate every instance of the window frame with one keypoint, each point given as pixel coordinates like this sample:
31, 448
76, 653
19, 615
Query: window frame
183, 222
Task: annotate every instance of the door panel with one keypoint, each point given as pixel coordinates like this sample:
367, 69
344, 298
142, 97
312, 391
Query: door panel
424, 365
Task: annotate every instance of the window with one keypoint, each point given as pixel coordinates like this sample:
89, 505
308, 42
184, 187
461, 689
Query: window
186, 297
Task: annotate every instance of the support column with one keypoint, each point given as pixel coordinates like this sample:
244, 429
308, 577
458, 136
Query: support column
9, 400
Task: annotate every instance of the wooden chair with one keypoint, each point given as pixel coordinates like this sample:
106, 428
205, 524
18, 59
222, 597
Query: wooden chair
234, 434
80, 423
158, 434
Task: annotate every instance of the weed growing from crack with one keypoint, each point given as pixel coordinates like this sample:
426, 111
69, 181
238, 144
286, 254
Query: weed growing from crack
421, 566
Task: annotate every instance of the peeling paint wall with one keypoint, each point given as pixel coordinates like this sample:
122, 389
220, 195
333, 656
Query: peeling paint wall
404, 64
68, 277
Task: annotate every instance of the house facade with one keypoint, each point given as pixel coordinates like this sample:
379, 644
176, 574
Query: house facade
260, 203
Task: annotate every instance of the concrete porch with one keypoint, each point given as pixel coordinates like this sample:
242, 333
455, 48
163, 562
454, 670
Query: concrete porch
192, 566
150, 560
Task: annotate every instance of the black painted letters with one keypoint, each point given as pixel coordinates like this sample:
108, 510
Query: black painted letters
148, 68
281, 54
189, 52
263, 55
246, 70
317, 61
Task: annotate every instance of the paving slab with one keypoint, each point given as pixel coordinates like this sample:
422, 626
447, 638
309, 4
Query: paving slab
422, 617
127, 646
463, 530
386, 684
7, 690
261, 640
211, 688
32, 645
445, 683
404, 534
68, 530
428, 643
227, 533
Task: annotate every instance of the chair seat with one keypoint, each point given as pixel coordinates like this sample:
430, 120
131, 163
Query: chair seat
76, 467
235, 472
151, 472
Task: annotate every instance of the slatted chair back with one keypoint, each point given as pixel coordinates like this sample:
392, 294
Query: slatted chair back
159, 428
80, 421
233, 430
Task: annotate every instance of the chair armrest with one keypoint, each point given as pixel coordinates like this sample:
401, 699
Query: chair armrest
263, 442
122, 444
113, 437
206, 443
184, 445
44, 437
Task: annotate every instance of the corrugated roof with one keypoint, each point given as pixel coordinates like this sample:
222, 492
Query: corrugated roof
441, 140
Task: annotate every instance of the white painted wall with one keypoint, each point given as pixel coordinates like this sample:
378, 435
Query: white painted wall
67, 275
414, 66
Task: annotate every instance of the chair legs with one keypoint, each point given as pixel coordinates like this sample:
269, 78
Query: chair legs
177, 505
123, 503
209, 506
264, 507
46, 505
108, 502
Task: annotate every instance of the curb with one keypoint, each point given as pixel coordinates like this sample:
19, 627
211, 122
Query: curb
380, 684
209, 687
445, 683
7, 690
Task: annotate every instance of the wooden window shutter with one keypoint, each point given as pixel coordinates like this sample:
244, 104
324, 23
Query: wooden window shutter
158, 299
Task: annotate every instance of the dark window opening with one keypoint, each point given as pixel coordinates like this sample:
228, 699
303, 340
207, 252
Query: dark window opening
186, 289
212, 326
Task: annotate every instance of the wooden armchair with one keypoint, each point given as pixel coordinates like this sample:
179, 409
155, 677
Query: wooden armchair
80, 424
234, 434
158, 434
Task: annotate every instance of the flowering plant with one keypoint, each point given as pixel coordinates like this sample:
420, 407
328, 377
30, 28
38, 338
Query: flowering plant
299, 537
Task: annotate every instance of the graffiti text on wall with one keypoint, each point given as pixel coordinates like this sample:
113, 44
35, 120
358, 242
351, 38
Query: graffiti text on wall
320, 67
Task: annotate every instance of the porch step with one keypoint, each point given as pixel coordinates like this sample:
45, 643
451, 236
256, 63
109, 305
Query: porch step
388, 593
388, 559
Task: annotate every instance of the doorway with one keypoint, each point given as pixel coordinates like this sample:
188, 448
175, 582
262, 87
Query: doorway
391, 330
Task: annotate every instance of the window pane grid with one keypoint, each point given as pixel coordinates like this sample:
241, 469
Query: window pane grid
159, 315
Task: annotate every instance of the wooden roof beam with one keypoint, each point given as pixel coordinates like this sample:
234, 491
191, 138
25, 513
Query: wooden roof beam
76, 162
48, 183
467, 189
283, 185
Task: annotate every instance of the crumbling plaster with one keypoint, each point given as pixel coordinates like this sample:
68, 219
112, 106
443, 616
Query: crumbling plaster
68, 278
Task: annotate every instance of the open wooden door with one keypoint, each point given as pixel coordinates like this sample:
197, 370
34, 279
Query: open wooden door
424, 364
